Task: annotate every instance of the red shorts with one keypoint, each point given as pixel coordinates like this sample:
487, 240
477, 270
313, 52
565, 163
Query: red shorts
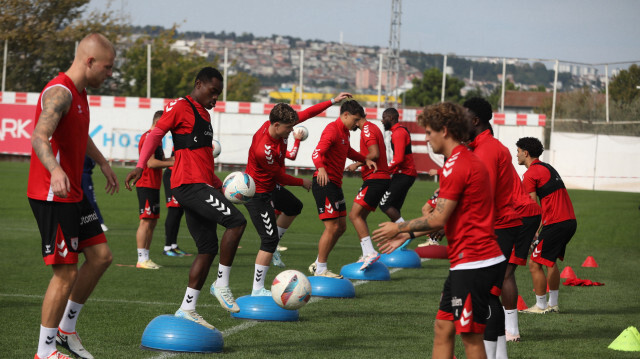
66, 229
148, 202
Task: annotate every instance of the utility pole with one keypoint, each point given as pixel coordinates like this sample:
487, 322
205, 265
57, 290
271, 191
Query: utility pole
393, 60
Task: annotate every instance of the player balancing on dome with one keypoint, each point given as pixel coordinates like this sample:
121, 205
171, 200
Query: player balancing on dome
465, 209
197, 189
266, 166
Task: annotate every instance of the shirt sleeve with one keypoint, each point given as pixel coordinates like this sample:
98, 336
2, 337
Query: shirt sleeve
313, 111
529, 182
287, 180
356, 156
326, 139
452, 186
154, 139
399, 147
293, 153
217, 183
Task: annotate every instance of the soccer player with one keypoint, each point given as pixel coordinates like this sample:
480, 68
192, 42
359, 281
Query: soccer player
502, 178
402, 167
465, 209
266, 167
197, 189
375, 184
68, 224
172, 221
88, 189
148, 190
329, 157
558, 223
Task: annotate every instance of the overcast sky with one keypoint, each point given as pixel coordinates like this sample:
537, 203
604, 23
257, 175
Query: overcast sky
589, 31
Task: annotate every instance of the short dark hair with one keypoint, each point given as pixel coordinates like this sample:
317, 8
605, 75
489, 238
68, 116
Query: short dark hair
447, 114
392, 114
207, 74
531, 145
353, 107
283, 113
480, 107
157, 115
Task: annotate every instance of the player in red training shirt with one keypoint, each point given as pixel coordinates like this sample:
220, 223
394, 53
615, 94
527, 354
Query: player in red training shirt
174, 216
465, 209
197, 189
329, 157
502, 176
67, 222
374, 185
148, 190
266, 166
558, 223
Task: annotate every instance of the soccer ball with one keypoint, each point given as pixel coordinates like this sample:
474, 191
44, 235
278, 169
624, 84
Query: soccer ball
291, 289
216, 149
305, 132
238, 187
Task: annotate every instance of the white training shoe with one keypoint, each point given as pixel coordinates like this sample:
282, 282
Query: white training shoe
276, 260
262, 292
225, 297
54, 355
193, 316
281, 248
428, 242
72, 342
369, 259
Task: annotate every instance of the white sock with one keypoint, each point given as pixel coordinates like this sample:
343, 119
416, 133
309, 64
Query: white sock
223, 276
47, 341
142, 255
174, 246
259, 275
553, 297
490, 349
190, 299
281, 231
511, 321
501, 348
146, 254
367, 246
167, 248
400, 220
541, 301
70, 317
320, 267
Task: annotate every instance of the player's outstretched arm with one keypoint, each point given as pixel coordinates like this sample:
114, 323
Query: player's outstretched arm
133, 177
55, 104
113, 185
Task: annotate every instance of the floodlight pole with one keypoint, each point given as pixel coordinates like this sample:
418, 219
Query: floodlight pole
379, 80
224, 80
553, 103
504, 83
4, 63
606, 90
444, 78
301, 69
148, 70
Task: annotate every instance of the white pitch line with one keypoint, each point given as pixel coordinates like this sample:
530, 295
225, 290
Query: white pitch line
104, 300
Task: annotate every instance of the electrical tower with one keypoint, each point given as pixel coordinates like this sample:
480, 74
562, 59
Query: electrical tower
393, 58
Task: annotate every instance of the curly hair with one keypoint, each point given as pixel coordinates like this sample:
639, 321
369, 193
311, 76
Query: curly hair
450, 115
480, 107
283, 113
531, 145
353, 107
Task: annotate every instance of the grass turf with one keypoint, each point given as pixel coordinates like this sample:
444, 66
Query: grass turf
391, 319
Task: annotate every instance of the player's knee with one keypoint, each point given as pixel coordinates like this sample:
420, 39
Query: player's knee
269, 244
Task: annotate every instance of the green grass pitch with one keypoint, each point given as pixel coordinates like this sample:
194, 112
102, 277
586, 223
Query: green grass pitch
392, 319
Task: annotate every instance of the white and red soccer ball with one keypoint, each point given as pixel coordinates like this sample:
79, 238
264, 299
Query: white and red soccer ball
216, 148
291, 289
238, 187
305, 132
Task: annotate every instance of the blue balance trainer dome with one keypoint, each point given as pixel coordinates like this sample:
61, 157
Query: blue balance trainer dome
331, 287
263, 308
376, 271
401, 258
170, 333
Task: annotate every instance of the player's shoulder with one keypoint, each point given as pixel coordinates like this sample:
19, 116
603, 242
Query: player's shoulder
176, 104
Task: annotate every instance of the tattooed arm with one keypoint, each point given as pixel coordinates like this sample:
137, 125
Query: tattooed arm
386, 235
55, 104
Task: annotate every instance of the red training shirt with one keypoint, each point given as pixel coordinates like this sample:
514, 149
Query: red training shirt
151, 177
402, 162
497, 159
333, 150
470, 235
557, 206
371, 135
69, 145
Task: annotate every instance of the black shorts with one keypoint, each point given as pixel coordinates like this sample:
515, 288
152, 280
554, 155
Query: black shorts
371, 192
465, 298
168, 195
329, 200
285, 202
264, 219
506, 239
205, 207
553, 240
396, 194
66, 229
526, 235
148, 202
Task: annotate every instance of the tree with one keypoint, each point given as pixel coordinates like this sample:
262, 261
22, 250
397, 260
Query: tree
42, 36
242, 87
496, 95
428, 90
623, 87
